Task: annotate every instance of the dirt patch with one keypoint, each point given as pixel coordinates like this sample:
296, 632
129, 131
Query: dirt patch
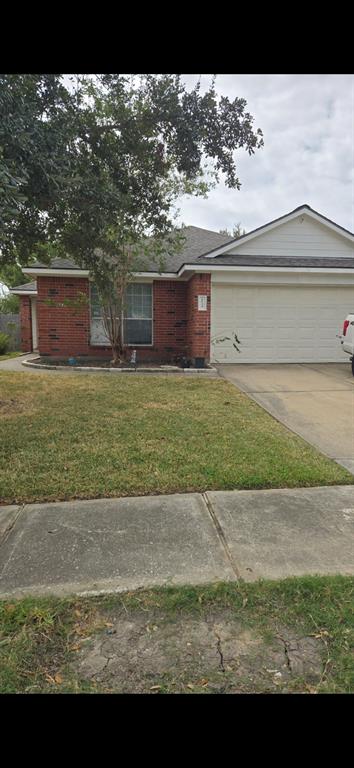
11, 406
209, 653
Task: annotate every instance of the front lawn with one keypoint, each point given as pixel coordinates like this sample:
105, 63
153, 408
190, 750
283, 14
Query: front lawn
288, 636
86, 436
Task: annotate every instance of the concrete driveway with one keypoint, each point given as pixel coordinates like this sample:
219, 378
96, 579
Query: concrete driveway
315, 400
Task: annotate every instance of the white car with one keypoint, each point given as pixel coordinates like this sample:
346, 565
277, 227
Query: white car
347, 338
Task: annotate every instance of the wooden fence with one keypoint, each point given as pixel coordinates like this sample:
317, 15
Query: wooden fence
10, 324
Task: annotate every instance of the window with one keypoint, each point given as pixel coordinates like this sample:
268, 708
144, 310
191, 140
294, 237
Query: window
137, 327
138, 314
98, 335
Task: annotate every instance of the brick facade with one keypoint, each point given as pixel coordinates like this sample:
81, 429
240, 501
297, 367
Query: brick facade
198, 321
62, 331
169, 319
26, 323
178, 325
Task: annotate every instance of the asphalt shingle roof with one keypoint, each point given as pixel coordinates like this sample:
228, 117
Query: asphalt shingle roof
279, 261
26, 287
199, 242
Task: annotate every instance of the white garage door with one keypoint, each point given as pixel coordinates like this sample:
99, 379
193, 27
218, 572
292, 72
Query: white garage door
279, 324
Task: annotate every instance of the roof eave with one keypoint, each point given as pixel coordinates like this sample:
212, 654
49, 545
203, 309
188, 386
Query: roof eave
22, 293
258, 268
50, 272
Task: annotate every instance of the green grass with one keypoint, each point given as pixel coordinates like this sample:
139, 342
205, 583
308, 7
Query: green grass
9, 355
39, 638
64, 437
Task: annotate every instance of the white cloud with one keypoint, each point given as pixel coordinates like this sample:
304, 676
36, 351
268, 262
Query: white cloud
308, 157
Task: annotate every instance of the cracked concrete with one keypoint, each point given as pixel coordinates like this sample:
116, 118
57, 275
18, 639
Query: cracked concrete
8, 517
111, 545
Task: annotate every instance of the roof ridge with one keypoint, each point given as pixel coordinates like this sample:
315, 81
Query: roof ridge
210, 231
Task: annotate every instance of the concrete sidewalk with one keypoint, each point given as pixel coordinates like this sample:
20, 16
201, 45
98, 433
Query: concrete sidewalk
111, 545
14, 365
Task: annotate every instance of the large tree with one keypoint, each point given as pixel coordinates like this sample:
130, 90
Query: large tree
92, 169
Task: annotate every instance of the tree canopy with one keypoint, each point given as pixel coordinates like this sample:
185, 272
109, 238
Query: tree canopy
89, 162
92, 166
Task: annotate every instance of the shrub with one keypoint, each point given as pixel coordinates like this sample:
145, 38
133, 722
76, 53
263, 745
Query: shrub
10, 304
4, 342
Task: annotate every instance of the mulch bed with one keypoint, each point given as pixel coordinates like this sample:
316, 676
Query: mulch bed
103, 364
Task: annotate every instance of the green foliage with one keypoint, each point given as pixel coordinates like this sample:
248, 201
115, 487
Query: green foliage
9, 305
11, 274
37, 119
4, 342
107, 152
93, 171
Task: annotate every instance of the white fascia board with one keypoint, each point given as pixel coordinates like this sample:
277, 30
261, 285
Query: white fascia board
23, 293
157, 275
56, 272
240, 241
85, 273
189, 268
287, 270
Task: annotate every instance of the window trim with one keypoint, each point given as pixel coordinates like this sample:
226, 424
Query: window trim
133, 346
143, 282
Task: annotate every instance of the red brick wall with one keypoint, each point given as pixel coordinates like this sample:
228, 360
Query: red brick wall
63, 331
198, 321
26, 324
169, 319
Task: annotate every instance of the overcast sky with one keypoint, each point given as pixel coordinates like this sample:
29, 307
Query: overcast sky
308, 153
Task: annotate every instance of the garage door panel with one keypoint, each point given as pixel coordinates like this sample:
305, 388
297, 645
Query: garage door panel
279, 323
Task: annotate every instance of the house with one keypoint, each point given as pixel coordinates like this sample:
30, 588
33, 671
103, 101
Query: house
284, 288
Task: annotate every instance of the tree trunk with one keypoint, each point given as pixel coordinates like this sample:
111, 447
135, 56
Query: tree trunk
117, 354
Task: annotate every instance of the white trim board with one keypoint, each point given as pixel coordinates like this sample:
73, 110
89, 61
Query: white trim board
47, 272
23, 293
205, 268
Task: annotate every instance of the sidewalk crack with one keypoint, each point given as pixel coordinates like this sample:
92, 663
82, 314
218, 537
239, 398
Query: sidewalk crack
5, 537
221, 535
10, 527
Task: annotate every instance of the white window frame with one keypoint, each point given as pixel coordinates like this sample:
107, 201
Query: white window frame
142, 282
107, 343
